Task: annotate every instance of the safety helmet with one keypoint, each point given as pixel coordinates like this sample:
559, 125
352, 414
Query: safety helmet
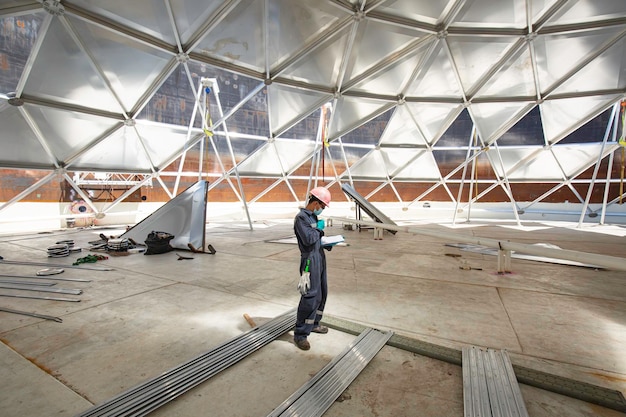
322, 194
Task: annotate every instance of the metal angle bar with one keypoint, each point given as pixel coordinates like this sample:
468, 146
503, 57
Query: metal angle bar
27, 313
49, 277
19, 282
517, 394
197, 375
34, 297
146, 403
317, 395
42, 289
90, 268
144, 398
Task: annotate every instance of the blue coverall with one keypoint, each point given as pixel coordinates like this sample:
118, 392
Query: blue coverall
312, 304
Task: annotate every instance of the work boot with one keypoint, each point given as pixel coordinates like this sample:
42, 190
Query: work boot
302, 343
320, 329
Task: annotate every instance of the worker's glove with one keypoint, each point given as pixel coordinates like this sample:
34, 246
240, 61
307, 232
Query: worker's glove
304, 284
321, 224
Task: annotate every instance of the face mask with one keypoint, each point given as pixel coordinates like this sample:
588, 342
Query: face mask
317, 212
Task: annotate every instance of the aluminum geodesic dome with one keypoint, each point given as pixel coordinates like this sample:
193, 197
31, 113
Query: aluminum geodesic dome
407, 100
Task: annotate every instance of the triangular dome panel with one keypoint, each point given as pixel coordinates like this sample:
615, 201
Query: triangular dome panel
473, 56
63, 72
68, 132
374, 42
145, 16
437, 78
293, 153
130, 69
402, 130
603, 73
493, 118
122, 151
351, 112
286, 104
558, 54
30, 152
575, 159
561, 117
514, 79
228, 42
423, 167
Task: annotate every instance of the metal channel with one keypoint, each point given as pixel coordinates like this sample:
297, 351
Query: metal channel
147, 397
317, 395
584, 391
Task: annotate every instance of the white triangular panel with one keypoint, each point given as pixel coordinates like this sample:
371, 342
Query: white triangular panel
437, 78
351, 112
229, 41
263, 162
402, 130
374, 42
320, 66
474, 56
434, 118
287, 103
130, 69
563, 116
145, 16
492, 118
293, 153
514, 79
606, 72
16, 130
423, 167
396, 159
121, 151
304, 21
63, 72
558, 54
588, 10
68, 132
162, 142
526, 163
371, 166
575, 159
501, 13
390, 81
184, 217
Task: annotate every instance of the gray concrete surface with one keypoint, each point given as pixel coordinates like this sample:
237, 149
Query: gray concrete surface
152, 313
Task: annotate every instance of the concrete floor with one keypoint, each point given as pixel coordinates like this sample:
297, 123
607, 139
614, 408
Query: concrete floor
152, 313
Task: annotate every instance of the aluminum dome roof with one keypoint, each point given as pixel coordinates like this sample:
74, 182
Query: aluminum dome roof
402, 90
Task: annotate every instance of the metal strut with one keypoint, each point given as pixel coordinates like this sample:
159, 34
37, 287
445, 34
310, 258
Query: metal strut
152, 394
317, 395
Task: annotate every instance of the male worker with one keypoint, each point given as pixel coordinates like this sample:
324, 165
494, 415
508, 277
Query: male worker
309, 231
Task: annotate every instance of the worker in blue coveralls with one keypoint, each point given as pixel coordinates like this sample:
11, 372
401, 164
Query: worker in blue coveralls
309, 231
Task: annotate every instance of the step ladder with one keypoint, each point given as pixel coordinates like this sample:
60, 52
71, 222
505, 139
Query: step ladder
490, 387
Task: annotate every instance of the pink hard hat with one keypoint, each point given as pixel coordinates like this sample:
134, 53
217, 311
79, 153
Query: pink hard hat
321, 194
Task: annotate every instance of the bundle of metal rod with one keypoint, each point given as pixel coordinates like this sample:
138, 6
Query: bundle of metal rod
317, 395
147, 397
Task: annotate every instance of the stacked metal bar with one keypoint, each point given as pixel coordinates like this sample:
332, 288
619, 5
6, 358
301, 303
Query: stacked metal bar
147, 397
490, 387
317, 395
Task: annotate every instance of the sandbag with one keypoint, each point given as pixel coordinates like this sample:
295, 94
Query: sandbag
158, 242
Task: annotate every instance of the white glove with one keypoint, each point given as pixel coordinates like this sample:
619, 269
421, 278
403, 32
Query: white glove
304, 284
